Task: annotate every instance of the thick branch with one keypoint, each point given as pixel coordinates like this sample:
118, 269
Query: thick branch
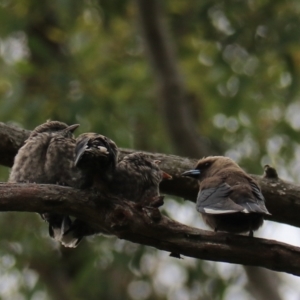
282, 197
147, 226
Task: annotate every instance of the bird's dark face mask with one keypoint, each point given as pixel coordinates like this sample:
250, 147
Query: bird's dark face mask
95, 153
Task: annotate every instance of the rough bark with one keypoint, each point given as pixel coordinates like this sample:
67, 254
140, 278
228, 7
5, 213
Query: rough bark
145, 225
282, 197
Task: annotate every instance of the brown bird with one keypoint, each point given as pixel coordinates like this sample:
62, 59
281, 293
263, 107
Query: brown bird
229, 200
96, 156
48, 157
137, 178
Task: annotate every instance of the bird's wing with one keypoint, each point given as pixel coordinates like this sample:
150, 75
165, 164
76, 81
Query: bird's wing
215, 200
256, 204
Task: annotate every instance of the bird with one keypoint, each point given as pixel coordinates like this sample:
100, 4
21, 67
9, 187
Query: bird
47, 156
96, 156
228, 199
135, 177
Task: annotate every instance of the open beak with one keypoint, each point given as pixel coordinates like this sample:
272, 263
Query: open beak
192, 173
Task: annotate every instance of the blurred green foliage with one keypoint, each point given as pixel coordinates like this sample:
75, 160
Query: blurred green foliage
84, 62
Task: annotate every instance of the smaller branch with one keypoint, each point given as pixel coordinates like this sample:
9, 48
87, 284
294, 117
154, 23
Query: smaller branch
145, 225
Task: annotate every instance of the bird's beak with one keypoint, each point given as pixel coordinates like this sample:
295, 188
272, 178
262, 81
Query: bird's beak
192, 173
79, 150
166, 175
72, 128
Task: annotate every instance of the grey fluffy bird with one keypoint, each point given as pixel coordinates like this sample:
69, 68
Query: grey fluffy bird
48, 157
96, 157
135, 177
228, 199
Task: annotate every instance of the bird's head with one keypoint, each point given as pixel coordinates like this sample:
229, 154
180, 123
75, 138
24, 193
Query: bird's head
208, 166
95, 151
55, 127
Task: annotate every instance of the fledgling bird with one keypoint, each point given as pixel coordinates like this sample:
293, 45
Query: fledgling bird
137, 178
96, 157
48, 157
228, 199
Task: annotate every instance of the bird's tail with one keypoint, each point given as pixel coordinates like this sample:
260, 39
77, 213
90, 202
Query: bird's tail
255, 207
59, 225
68, 238
76, 232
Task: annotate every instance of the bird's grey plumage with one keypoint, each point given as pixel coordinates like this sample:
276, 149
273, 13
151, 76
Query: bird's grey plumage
135, 177
47, 156
228, 199
96, 157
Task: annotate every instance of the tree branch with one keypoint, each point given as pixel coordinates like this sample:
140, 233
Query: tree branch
282, 198
145, 225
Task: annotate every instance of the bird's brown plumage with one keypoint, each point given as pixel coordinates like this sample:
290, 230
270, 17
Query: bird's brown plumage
135, 177
96, 157
229, 200
47, 156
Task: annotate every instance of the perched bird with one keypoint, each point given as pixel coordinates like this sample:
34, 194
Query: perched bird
137, 178
48, 157
229, 200
96, 157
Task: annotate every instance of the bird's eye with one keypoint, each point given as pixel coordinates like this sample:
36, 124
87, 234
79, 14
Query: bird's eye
206, 164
